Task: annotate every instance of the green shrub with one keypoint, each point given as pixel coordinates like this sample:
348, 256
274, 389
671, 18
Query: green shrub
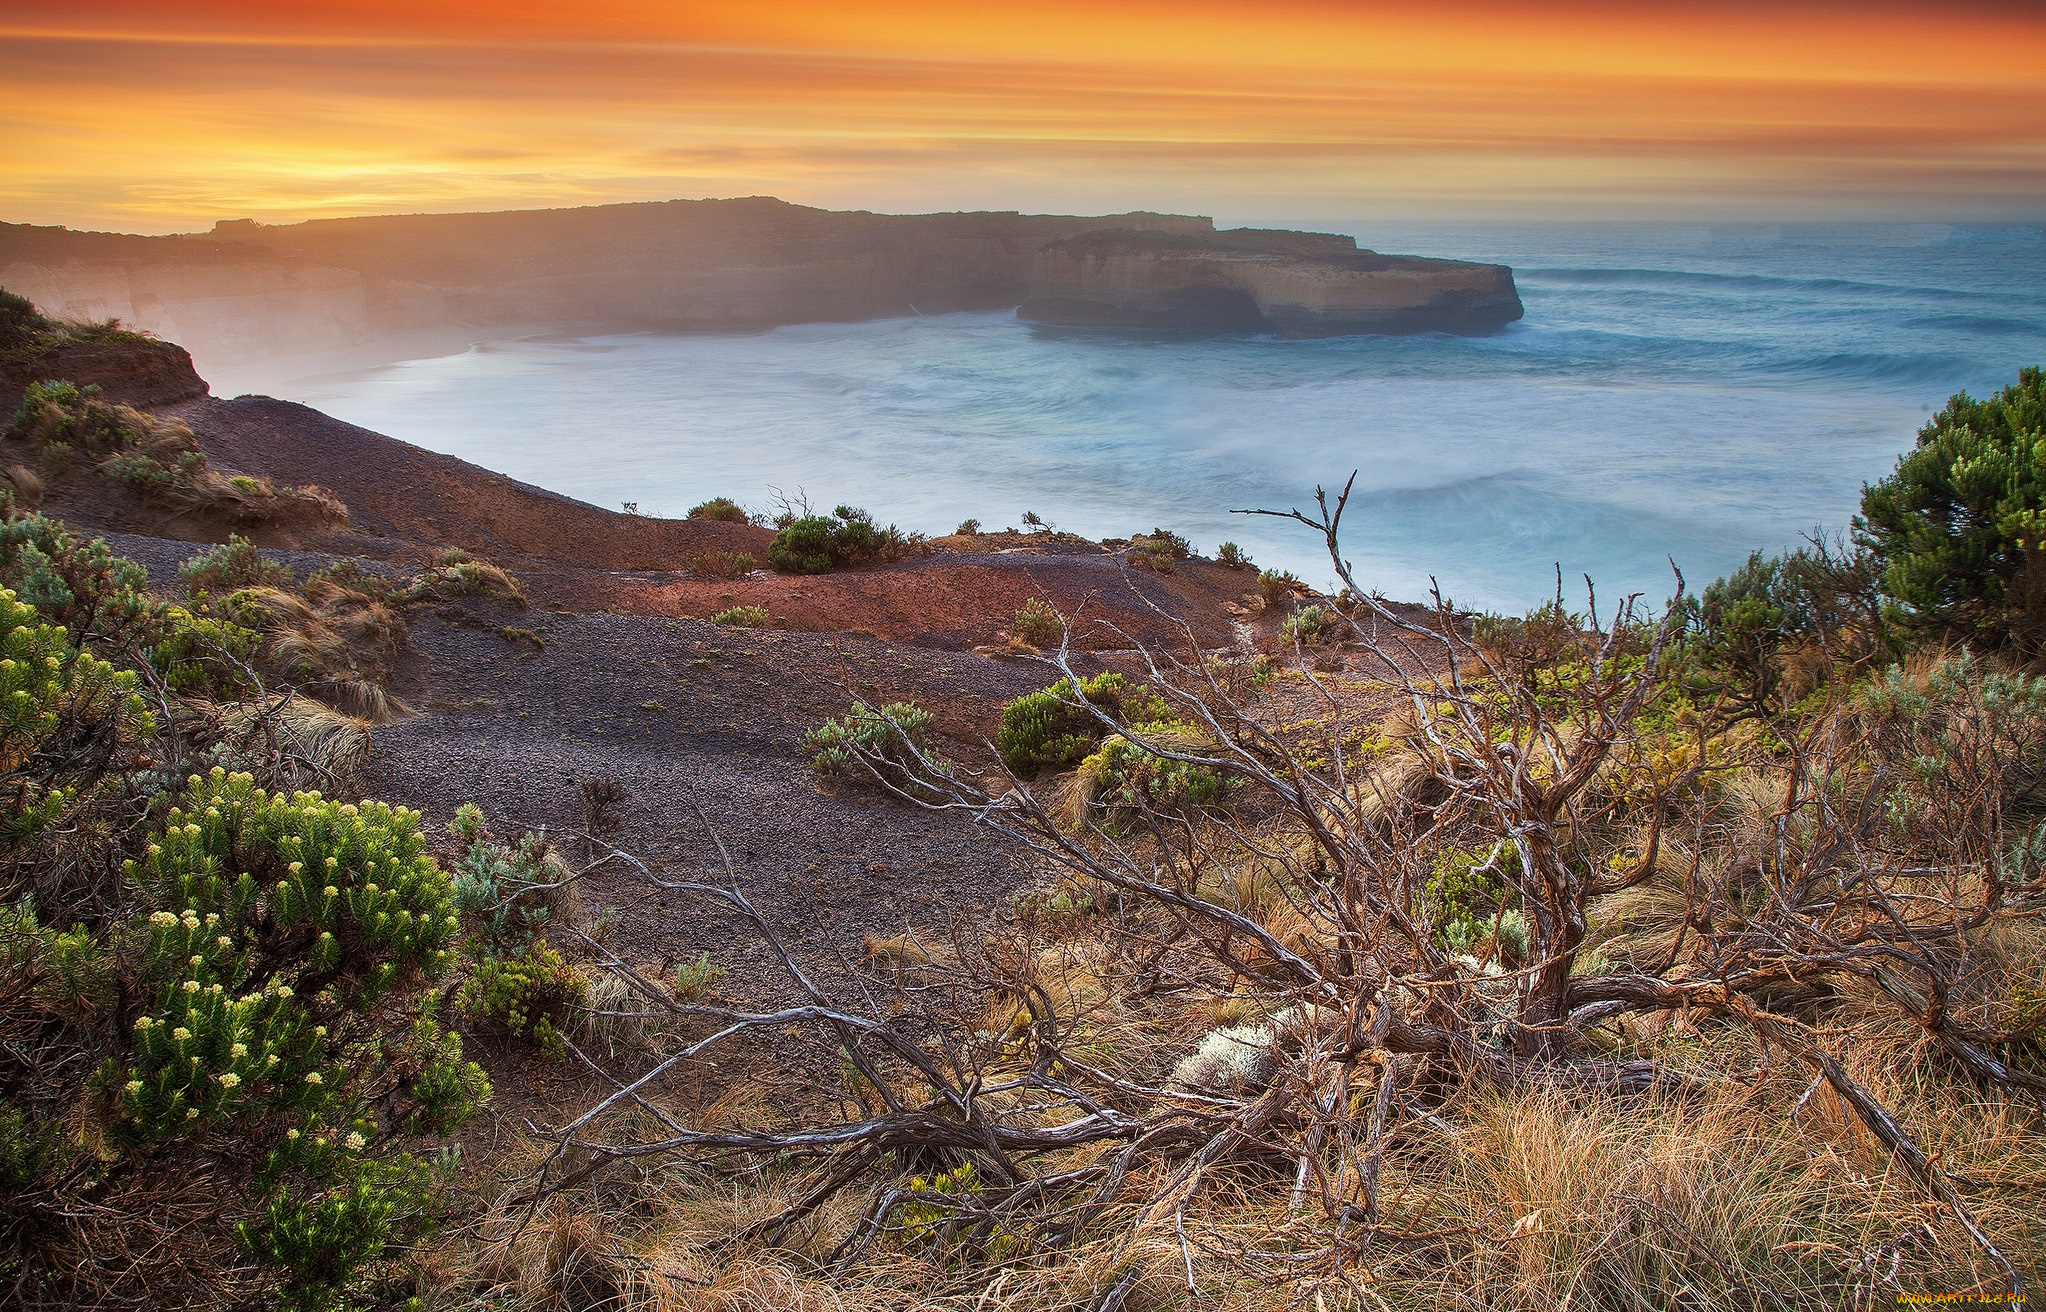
230, 567
818, 544
199, 655
1160, 550
1469, 892
501, 891
238, 1035
458, 574
893, 743
1052, 730
1233, 556
744, 617
724, 510
63, 715
723, 564
1123, 776
805, 546
1277, 587
1038, 624
695, 979
968, 528
528, 996
448, 1089
1314, 625
79, 584
1960, 526
1743, 627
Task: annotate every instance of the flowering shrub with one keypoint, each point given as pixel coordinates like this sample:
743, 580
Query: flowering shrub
528, 996
235, 1037
54, 700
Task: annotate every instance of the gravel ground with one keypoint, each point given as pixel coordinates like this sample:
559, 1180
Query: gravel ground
688, 716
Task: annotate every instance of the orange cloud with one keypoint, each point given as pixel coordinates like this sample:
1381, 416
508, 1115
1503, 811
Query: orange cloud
131, 118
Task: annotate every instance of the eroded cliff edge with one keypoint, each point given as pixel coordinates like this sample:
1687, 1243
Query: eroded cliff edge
1291, 284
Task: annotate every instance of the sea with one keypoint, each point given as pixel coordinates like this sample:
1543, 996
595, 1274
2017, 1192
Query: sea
1678, 396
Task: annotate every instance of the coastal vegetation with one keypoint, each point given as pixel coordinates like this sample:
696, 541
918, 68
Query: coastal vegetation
1690, 951
25, 332
818, 544
61, 428
1396, 956
222, 1071
722, 510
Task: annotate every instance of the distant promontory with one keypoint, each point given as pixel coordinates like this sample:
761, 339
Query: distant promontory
416, 284
1292, 284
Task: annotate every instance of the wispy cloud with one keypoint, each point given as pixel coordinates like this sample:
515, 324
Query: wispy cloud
133, 122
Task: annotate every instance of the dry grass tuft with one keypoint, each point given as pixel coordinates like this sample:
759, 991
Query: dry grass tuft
335, 643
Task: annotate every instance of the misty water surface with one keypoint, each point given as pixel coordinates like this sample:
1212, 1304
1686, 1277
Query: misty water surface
1674, 393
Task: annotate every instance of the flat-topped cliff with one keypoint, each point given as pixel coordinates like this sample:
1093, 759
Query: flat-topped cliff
404, 285
247, 291
1293, 284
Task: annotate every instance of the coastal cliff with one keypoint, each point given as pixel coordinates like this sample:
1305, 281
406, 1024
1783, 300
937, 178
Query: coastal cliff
1291, 284
248, 291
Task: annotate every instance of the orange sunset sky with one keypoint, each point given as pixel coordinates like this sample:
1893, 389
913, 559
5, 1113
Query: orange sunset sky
155, 117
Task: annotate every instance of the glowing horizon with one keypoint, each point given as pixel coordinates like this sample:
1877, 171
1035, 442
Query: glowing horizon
135, 120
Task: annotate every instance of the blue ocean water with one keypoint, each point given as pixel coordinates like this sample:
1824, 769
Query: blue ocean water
1675, 393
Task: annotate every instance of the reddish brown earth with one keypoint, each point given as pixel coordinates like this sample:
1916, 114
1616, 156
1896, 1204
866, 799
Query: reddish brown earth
405, 502
141, 373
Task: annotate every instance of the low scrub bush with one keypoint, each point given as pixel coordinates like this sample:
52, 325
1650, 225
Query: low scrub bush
1038, 624
531, 995
743, 617
230, 567
1160, 551
722, 510
723, 564
818, 544
1124, 777
1277, 587
456, 573
1233, 556
241, 1034
891, 746
1054, 730
1315, 625
97, 596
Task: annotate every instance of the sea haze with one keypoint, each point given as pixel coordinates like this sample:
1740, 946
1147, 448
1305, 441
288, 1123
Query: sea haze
1675, 393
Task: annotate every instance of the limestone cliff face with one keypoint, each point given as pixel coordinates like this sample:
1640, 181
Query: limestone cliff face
131, 372
246, 291
1292, 284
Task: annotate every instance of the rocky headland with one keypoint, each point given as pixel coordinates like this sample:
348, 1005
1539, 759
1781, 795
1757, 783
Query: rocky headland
1291, 284
354, 292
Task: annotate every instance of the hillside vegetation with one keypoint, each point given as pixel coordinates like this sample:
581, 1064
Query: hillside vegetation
1691, 955
1609, 957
